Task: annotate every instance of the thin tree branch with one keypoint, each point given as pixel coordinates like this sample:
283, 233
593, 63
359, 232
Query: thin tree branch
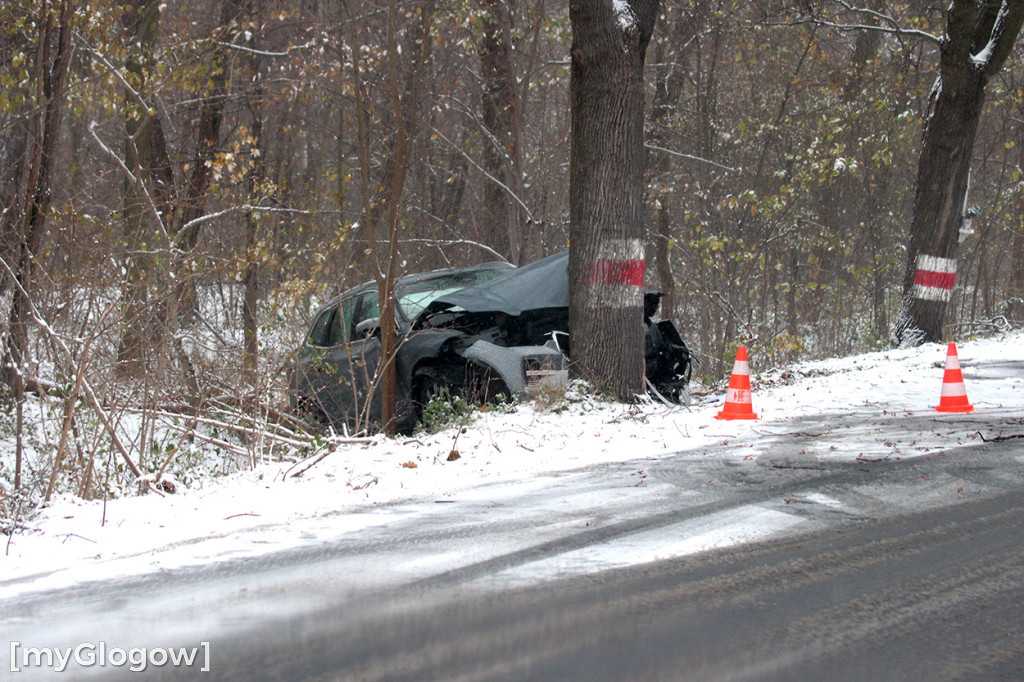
895, 26
515, 197
266, 53
690, 157
135, 181
243, 207
69, 358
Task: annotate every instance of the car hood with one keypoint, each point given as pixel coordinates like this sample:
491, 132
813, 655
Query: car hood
539, 285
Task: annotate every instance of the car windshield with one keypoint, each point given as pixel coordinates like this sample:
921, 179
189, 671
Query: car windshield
413, 298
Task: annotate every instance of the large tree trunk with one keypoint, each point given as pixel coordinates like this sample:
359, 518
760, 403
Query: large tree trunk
606, 254
51, 68
147, 194
12, 174
211, 116
50, 71
502, 214
979, 37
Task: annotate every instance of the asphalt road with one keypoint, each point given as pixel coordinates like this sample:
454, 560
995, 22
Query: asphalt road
927, 596
890, 569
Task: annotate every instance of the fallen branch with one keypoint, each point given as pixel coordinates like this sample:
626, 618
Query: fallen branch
364, 485
1000, 438
279, 422
251, 402
223, 444
312, 464
42, 387
247, 430
862, 458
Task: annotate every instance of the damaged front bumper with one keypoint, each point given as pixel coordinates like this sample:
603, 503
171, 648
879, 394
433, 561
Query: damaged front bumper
526, 370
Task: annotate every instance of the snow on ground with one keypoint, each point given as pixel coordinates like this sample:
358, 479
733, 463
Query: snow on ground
269, 508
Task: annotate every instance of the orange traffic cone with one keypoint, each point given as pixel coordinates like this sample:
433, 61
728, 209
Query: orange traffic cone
737, 398
954, 393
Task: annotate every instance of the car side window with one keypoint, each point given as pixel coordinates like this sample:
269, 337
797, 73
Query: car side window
369, 308
319, 331
341, 325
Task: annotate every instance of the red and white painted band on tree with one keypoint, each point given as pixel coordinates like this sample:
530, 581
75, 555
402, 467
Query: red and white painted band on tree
934, 278
616, 277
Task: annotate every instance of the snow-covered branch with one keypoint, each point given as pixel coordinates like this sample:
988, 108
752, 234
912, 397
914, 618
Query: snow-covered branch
134, 180
889, 25
267, 53
244, 207
690, 157
1003, 36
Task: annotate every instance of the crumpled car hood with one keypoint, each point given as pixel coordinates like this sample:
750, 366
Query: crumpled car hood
537, 286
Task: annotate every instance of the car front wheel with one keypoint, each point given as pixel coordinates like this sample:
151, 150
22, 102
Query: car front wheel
428, 383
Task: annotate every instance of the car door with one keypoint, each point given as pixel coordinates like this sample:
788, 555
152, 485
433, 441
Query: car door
365, 354
326, 366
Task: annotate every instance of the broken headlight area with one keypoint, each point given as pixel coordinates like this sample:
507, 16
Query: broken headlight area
668, 361
544, 373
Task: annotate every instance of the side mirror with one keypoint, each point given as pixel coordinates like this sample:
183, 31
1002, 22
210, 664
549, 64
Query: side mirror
368, 328
652, 301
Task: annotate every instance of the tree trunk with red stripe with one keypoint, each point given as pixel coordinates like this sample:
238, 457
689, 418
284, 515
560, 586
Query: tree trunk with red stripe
606, 252
979, 37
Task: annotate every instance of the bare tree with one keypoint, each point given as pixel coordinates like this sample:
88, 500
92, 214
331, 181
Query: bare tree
978, 39
51, 68
148, 187
208, 134
606, 254
253, 182
382, 209
500, 108
1016, 307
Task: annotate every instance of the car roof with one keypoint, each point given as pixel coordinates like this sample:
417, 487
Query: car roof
542, 284
424, 276
416, 277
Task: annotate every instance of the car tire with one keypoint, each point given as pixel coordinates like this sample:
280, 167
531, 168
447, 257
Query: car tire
484, 385
309, 409
428, 383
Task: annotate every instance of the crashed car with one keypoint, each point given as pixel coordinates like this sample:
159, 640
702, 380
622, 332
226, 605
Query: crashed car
530, 307
336, 374
476, 332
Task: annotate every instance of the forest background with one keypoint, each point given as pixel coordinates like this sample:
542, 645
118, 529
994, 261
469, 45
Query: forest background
184, 182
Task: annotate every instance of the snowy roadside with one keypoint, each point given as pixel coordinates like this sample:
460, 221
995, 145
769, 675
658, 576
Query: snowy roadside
271, 508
